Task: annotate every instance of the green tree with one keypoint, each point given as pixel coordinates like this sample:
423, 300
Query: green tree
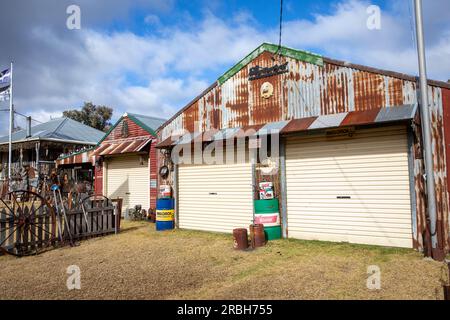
97, 117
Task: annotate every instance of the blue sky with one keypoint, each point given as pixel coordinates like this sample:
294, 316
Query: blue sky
154, 56
262, 15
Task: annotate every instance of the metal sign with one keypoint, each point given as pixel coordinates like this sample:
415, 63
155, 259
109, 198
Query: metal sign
266, 90
259, 72
347, 132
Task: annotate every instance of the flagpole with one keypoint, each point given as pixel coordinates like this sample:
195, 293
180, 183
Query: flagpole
11, 124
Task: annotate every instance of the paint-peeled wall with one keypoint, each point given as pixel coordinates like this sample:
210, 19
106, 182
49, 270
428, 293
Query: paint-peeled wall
306, 90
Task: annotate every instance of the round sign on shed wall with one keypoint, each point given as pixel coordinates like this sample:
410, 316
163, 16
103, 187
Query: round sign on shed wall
266, 90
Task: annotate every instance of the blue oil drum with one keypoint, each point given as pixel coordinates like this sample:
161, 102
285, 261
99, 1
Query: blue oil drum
165, 214
165, 204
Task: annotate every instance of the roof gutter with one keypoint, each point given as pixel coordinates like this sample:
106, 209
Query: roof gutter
51, 140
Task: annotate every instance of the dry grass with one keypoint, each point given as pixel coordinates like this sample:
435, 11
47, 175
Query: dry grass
141, 263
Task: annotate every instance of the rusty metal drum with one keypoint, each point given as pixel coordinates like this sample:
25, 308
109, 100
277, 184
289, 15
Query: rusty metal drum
257, 235
240, 238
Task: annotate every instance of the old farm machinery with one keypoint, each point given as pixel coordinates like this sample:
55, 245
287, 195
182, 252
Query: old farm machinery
31, 224
28, 224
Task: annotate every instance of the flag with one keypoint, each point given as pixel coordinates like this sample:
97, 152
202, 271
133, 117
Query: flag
4, 93
5, 76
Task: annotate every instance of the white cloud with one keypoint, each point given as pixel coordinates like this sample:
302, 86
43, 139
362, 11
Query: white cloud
344, 35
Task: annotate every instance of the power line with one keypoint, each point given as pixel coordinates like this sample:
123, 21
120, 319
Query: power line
412, 23
281, 25
25, 116
21, 114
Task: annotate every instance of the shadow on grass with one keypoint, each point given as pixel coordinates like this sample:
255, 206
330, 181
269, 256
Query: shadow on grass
129, 229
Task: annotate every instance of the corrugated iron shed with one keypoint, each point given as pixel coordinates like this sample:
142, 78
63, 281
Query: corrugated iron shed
339, 94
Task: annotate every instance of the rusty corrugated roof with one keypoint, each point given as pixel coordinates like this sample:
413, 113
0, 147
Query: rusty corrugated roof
374, 116
381, 115
121, 146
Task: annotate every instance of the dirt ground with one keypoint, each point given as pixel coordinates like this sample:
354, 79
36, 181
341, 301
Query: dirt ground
141, 263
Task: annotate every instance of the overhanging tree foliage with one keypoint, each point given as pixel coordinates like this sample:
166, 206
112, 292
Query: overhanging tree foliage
97, 117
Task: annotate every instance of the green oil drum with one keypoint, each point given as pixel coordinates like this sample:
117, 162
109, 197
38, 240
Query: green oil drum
267, 206
272, 233
267, 213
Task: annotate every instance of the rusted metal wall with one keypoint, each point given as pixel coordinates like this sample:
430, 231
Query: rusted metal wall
439, 164
445, 164
440, 140
313, 90
306, 90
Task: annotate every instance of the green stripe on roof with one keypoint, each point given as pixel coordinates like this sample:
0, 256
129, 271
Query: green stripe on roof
288, 52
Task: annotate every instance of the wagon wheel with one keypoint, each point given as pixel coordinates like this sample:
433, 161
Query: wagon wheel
27, 224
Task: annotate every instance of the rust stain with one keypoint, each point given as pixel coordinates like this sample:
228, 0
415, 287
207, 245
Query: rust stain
369, 91
334, 90
439, 166
306, 90
217, 110
395, 92
191, 118
446, 130
298, 125
265, 110
235, 99
422, 239
360, 117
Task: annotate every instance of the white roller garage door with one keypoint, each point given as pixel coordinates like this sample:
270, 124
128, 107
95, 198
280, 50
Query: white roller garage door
128, 179
215, 197
350, 189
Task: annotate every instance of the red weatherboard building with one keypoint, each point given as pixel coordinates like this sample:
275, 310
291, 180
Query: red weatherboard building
125, 161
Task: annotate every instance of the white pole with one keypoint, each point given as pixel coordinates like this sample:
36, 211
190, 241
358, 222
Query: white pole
426, 127
11, 124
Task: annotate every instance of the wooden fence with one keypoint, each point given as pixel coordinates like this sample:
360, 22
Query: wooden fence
98, 217
3, 188
19, 236
43, 228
